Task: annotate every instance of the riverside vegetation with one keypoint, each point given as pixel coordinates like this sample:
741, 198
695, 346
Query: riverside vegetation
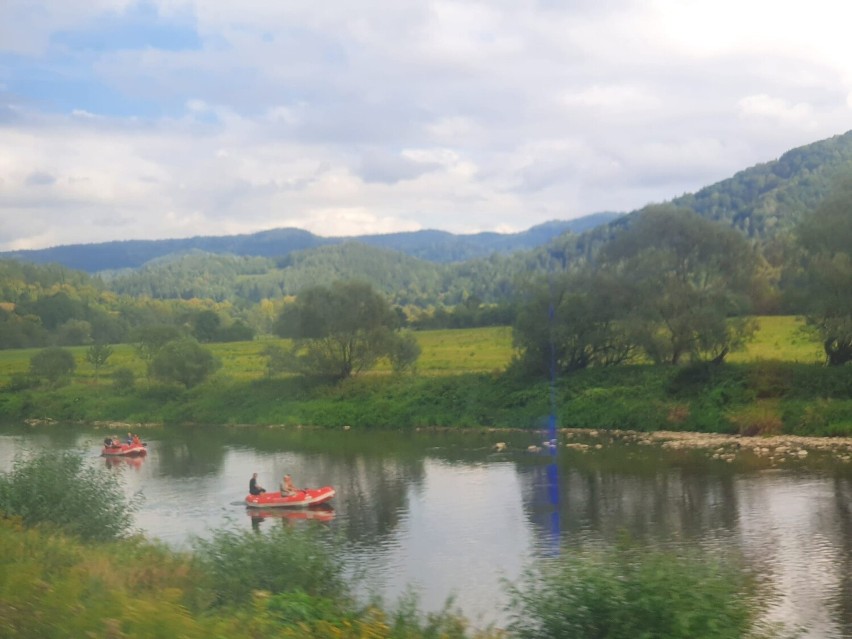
78, 571
778, 385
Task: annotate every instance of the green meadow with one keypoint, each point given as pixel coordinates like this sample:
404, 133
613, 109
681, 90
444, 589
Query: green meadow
444, 352
777, 385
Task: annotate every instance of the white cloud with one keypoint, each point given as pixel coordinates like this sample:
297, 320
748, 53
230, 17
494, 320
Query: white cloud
777, 109
382, 116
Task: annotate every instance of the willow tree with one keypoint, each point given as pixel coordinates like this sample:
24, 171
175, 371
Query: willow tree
688, 281
571, 321
341, 330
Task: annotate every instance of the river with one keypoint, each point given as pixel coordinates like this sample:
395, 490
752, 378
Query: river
448, 513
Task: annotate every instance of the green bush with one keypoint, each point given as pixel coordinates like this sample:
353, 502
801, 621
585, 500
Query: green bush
185, 362
123, 380
628, 593
21, 381
282, 560
59, 489
55, 364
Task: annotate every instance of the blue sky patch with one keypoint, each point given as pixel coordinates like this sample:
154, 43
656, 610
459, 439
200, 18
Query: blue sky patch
141, 27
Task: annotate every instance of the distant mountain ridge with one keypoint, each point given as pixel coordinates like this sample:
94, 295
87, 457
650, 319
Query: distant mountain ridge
763, 201
430, 245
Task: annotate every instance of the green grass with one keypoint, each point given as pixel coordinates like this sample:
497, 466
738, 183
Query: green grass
444, 352
781, 338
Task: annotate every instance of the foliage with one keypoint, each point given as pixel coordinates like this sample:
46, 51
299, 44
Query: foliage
470, 313
184, 361
205, 325
123, 380
98, 355
54, 586
60, 489
342, 330
625, 593
278, 359
53, 364
284, 560
570, 322
151, 338
686, 282
404, 351
769, 199
74, 332
824, 273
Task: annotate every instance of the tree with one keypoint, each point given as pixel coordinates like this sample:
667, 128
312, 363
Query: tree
74, 332
53, 363
205, 326
688, 281
239, 331
822, 278
150, 339
97, 355
404, 352
184, 361
338, 331
570, 322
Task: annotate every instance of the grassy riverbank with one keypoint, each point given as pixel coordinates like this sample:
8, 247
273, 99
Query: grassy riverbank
777, 386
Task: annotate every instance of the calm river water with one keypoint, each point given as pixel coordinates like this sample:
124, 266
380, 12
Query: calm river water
444, 514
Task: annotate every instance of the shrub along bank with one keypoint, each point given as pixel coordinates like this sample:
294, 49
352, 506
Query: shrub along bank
764, 398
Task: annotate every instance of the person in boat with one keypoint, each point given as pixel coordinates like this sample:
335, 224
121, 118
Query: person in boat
287, 487
254, 489
107, 441
136, 441
129, 439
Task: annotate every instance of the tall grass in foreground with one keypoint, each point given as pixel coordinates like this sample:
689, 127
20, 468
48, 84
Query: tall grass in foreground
632, 593
281, 560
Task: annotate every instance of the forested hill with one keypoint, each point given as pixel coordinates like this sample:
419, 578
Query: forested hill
770, 198
430, 245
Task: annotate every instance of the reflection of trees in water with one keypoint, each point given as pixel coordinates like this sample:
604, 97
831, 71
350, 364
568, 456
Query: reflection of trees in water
672, 502
843, 498
372, 491
191, 452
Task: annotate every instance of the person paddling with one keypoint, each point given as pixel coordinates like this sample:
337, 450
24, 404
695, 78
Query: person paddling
254, 489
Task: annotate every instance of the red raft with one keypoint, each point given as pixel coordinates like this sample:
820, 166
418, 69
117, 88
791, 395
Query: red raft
302, 498
125, 450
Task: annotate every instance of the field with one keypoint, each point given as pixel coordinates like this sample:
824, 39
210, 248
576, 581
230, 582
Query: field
781, 338
444, 352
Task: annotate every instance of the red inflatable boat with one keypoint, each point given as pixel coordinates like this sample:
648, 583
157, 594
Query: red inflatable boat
125, 450
301, 499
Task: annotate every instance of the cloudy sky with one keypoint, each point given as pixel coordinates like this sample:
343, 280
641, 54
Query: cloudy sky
171, 118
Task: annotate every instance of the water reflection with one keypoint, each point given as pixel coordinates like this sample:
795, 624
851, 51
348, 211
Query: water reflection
113, 461
322, 513
842, 602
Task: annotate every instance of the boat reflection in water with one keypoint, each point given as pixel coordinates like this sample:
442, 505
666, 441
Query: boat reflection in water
322, 513
115, 461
